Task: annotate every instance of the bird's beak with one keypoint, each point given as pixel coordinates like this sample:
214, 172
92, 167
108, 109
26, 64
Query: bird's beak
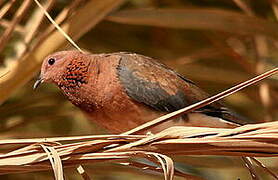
38, 82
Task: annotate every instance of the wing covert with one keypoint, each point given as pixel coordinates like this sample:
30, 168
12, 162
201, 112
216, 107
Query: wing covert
147, 81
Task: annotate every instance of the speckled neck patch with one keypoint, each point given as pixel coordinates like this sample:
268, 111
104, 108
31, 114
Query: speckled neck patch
75, 74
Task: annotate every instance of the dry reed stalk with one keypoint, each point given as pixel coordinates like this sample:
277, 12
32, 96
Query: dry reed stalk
260, 140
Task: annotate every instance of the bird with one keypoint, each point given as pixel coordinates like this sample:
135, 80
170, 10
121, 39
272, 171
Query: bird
120, 91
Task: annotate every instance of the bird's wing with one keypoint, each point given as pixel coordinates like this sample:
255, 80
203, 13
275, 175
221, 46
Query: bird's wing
154, 84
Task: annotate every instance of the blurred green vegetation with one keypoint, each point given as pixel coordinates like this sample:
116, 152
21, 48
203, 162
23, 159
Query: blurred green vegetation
227, 45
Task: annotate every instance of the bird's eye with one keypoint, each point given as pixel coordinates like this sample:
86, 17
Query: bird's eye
51, 61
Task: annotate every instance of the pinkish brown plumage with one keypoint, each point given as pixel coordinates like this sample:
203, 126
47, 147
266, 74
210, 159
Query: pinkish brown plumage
120, 91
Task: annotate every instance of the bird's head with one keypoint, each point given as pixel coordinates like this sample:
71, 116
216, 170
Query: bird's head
54, 65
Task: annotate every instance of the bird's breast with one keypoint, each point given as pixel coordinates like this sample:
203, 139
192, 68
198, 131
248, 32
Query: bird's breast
106, 102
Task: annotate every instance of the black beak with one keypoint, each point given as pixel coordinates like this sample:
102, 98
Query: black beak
38, 82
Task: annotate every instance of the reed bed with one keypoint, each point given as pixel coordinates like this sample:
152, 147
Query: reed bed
216, 43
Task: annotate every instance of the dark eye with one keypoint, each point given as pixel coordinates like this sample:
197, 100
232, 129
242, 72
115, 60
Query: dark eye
51, 61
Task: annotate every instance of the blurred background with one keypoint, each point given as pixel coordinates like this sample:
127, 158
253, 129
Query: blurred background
215, 43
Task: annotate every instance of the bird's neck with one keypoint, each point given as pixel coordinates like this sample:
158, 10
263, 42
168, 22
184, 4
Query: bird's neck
74, 78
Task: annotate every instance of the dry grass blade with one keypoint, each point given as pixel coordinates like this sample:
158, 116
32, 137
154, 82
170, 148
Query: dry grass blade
70, 138
165, 162
55, 161
33, 26
216, 19
167, 166
57, 26
202, 103
64, 15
